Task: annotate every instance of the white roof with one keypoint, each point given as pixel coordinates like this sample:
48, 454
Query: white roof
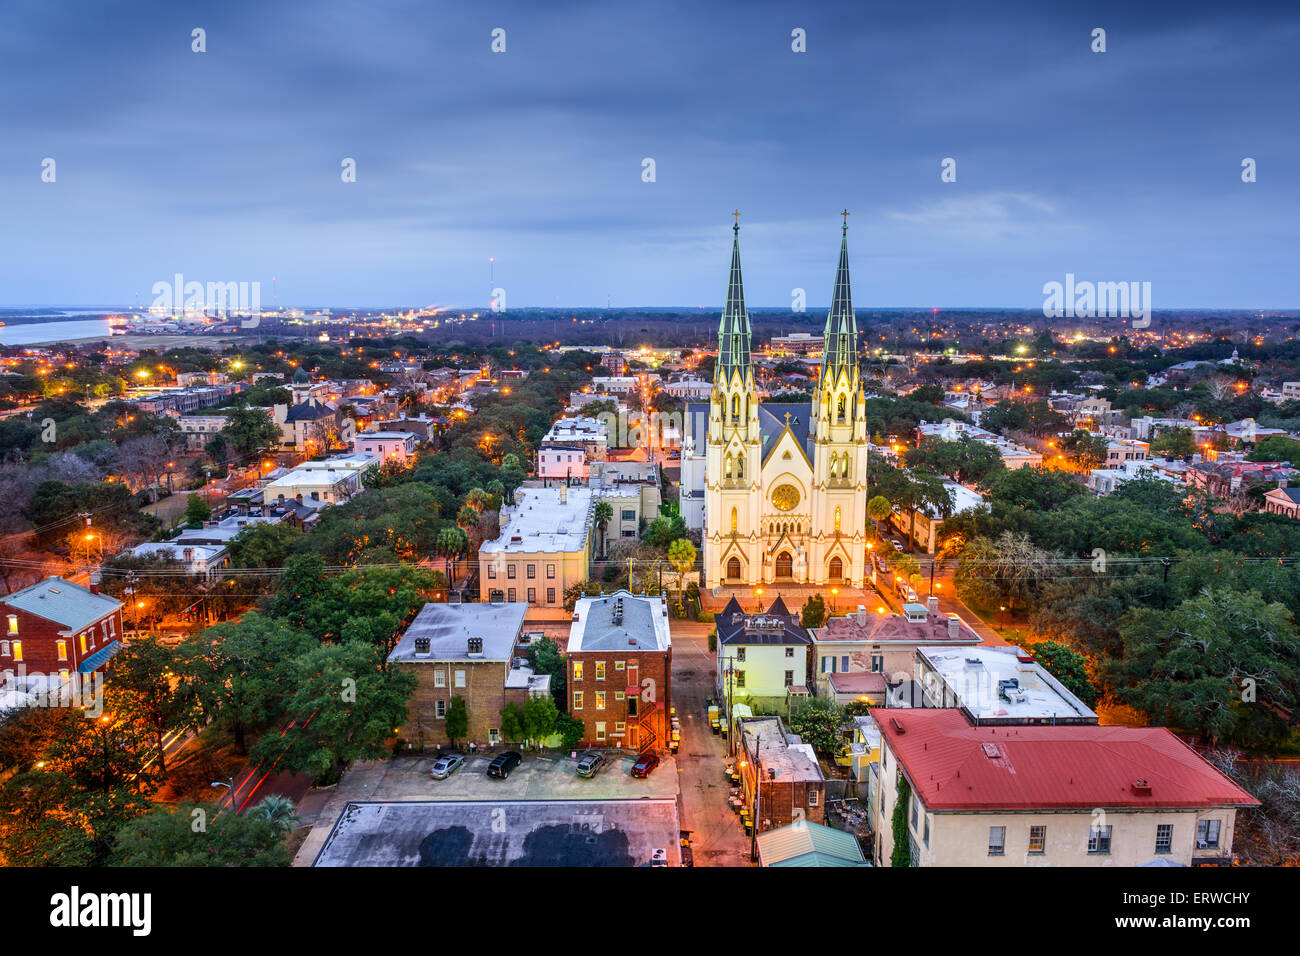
972, 675
540, 522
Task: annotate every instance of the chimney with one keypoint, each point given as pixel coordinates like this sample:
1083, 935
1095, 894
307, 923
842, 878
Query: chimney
94, 582
862, 615
474, 647
954, 627
932, 604
564, 494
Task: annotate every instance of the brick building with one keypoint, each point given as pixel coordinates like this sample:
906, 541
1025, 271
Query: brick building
56, 629
470, 651
791, 786
619, 671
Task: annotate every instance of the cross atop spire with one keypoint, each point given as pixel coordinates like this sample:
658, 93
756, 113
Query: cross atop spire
736, 227
845, 227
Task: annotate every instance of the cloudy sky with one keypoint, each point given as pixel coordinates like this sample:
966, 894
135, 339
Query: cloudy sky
225, 165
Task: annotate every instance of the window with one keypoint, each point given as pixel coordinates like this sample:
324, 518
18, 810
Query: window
83, 643
550, 571
550, 595
577, 700
1099, 839
1038, 840
532, 595
600, 700
620, 726
512, 571
4, 648
492, 571
618, 695
510, 594
577, 670
789, 652
619, 665
600, 670
789, 678
600, 730
13, 623
740, 678
440, 709
914, 804
460, 678
532, 571
18, 650
63, 650
740, 655
629, 514
812, 798
1207, 831
439, 678
877, 663
926, 837
844, 664
1164, 837
997, 841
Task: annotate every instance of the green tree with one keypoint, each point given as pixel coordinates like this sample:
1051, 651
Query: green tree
280, 812
902, 853
681, 555
142, 673
1224, 663
539, 716
250, 430
1276, 448
457, 725
878, 509
570, 729
345, 705
817, 722
602, 515
546, 658
197, 511
813, 613
188, 836
512, 722
1069, 667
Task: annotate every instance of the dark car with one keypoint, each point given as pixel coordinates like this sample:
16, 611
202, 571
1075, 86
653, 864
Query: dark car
644, 765
502, 764
589, 763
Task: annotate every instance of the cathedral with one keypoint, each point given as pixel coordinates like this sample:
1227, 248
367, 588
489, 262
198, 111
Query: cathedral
779, 489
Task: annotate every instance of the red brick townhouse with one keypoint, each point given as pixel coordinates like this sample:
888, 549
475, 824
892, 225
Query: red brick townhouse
620, 659
57, 628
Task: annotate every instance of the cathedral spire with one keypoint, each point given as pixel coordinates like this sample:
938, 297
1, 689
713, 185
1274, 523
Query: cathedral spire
733, 330
841, 338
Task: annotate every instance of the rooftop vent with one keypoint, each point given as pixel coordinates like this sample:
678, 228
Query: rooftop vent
898, 728
475, 647
422, 645
991, 751
1142, 788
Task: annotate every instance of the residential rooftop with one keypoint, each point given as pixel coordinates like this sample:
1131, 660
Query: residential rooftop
875, 628
954, 765
621, 621
449, 628
544, 521
978, 680
779, 750
62, 602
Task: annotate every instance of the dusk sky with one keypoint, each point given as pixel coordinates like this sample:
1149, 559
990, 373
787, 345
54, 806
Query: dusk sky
225, 165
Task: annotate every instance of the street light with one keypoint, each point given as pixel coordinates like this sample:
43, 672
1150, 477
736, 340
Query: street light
229, 785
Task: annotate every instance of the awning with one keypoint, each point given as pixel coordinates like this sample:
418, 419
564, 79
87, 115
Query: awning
98, 659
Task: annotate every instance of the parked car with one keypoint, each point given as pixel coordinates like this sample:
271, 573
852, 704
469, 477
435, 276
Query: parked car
446, 765
645, 765
589, 763
502, 764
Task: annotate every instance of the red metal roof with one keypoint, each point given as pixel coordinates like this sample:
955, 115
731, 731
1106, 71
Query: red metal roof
954, 765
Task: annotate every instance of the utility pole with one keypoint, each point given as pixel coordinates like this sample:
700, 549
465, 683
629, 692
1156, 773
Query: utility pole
758, 783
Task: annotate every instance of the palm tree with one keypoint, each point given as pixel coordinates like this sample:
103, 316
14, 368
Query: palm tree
878, 509
603, 513
450, 543
281, 813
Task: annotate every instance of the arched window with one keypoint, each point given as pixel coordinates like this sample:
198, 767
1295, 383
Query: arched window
837, 566
837, 518
735, 407
733, 568
839, 410
734, 519
740, 466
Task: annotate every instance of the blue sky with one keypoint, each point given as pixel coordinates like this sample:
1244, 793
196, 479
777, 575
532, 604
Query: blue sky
225, 165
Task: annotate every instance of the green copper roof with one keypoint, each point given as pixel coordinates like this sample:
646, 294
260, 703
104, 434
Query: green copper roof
841, 348
733, 330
